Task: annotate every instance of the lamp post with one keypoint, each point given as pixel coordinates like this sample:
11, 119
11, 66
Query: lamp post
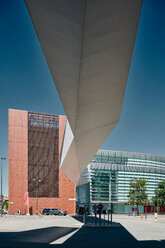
134, 195
156, 200
1, 183
110, 209
34, 179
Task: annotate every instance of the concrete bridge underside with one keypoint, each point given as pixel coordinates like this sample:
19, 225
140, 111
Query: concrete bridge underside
88, 46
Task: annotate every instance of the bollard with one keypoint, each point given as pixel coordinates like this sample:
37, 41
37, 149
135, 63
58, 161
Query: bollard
100, 218
84, 217
145, 215
108, 216
156, 215
111, 212
95, 217
111, 216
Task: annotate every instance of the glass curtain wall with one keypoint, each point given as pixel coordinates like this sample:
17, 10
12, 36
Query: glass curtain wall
110, 173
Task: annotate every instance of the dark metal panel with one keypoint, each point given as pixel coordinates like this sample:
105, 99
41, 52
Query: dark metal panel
43, 155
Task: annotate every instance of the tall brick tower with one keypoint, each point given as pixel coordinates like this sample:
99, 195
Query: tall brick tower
35, 142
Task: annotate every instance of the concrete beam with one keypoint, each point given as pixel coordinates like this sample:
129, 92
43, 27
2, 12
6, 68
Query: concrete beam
88, 46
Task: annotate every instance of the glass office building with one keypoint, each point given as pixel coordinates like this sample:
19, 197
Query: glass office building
109, 174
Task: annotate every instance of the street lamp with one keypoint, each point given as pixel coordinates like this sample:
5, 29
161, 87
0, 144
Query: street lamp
34, 179
1, 183
110, 197
134, 195
156, 200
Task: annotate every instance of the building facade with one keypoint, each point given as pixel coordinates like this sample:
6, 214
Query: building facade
35, 177
109, 175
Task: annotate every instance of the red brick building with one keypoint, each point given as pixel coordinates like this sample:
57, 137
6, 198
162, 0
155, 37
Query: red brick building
35, 142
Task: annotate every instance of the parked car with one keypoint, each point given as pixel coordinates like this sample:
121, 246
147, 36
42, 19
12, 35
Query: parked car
61, 212
46, 211
53, 211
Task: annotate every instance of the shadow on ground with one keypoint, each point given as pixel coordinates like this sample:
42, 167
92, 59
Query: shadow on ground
34, 238
86, 237
91, 219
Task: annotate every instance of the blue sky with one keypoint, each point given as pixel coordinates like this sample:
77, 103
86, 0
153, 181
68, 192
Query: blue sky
26, 82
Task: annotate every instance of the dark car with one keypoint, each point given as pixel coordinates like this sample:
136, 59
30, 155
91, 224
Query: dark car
57, 211
47, 211
53, 211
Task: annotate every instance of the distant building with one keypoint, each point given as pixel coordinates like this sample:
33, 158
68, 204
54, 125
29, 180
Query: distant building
109, 174
35, 142
35, 177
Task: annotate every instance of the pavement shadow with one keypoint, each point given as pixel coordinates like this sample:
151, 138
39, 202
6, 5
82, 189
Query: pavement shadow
91, 219
85, 237
34, 238
113, 237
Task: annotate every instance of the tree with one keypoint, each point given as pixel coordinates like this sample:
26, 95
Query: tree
159, 198
137, 192
5, 205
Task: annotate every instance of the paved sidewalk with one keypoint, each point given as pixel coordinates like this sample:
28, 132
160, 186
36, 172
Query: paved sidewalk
69, 232
18, 223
